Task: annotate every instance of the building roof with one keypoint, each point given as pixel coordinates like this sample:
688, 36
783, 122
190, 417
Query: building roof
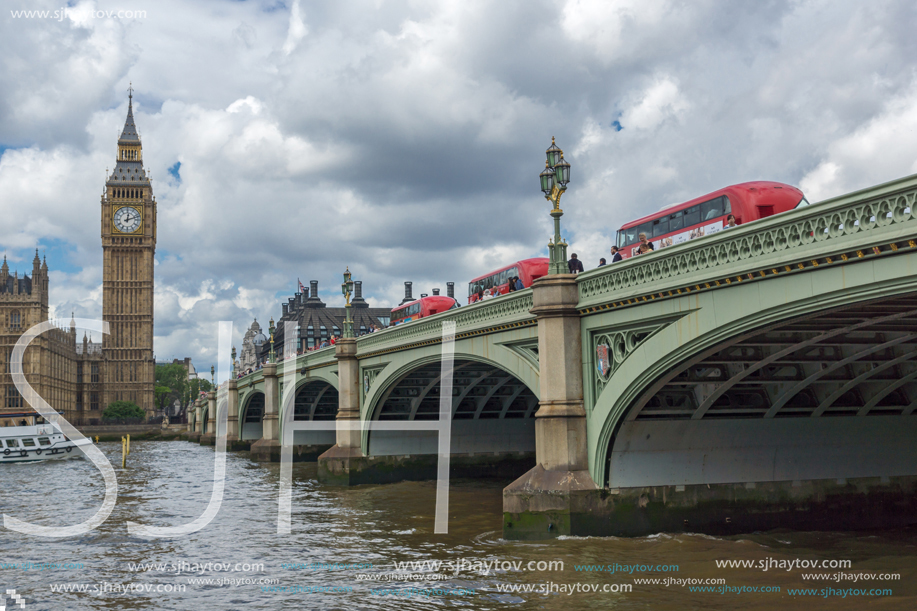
129, 134
25, 284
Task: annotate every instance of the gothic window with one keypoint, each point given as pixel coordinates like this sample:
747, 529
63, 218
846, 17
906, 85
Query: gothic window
79, 377
15, 320
95, 374
13, 398
79, 401
93, 400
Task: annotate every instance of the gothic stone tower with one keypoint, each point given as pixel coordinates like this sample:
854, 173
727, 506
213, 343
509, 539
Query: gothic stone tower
128, 245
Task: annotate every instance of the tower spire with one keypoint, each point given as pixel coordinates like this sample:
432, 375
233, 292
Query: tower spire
129, 133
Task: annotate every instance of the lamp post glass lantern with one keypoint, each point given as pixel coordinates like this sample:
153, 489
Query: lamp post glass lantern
554, 181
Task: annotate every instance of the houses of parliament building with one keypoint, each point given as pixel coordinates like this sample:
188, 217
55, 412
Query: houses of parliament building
74, 375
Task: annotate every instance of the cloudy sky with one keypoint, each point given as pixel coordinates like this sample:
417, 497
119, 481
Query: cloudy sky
404, 138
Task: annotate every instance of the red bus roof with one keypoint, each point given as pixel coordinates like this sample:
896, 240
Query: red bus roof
746, 191
532, 261
431, 299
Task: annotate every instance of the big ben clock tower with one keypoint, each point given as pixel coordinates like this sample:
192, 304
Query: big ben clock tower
128, 245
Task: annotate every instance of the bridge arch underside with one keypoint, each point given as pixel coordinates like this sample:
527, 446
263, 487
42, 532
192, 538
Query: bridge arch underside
493, 417
315, 401
828, 396
251, 416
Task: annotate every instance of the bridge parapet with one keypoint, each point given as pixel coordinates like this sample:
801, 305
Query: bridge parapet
497, 313
861, 224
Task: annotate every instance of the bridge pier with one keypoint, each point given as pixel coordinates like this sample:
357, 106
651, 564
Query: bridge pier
554, 497
233, 442
343, 462
195, 434
209, 437
267, 449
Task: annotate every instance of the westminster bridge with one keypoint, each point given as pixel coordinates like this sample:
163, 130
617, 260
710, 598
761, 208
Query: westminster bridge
760, 377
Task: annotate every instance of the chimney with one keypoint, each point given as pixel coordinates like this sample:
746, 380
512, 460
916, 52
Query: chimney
450, 289
436, 291
313, 300
407, 293
285, 309
358, 301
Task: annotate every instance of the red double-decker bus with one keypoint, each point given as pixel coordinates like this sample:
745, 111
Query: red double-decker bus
419, 308
707, 214
527, 270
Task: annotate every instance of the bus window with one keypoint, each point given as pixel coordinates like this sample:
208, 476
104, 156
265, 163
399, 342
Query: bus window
712, 209
676, 221
692, 216
660, 226
646, 228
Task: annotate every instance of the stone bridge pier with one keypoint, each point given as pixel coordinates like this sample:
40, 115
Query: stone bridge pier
557, 490
195, 415
208, 438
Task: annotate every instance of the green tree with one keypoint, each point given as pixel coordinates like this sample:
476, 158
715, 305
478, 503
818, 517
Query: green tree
171, 383
197, 386
118, 410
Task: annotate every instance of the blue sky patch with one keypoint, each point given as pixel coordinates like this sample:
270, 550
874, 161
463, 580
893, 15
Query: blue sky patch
617, 125
174, 171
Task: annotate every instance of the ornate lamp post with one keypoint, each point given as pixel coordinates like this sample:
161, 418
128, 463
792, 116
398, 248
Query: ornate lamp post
554, 181
212, 383
271, 329
233, 362
346, 289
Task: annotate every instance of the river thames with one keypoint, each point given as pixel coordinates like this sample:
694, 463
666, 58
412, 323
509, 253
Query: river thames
345, 544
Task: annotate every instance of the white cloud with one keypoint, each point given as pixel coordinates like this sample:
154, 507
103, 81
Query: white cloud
297, 31
882, 149
605, 24
654, 105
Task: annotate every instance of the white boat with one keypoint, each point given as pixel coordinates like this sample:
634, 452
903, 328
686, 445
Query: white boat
35, 440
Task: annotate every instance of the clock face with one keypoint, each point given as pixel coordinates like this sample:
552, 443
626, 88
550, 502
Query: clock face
127, 219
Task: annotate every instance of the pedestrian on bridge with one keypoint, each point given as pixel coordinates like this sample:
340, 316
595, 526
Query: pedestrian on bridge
645, 245
575, 265
615, 255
